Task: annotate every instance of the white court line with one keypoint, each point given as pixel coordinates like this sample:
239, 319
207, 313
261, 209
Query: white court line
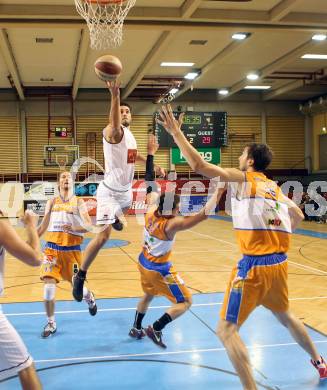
87, 358
307, 267
212, 237
291, 262
133, 308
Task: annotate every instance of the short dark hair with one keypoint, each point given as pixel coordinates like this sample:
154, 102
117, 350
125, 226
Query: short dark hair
168, 202
126, 105
261, 154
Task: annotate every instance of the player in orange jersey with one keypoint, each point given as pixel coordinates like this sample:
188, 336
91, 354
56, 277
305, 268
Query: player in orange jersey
158, 276
264, 219
64, 221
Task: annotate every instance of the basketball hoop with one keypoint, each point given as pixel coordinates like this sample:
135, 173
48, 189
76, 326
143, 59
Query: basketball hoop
105, 20
62, 160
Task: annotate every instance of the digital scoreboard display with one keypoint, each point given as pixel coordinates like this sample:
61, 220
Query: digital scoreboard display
61, 131
202, 129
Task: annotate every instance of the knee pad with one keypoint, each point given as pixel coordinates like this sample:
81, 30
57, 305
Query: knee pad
49, 291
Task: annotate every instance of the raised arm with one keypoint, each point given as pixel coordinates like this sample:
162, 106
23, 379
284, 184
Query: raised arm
151, 185
194, 159
183, 223
158, 170
28, 252
46, 219
113, 132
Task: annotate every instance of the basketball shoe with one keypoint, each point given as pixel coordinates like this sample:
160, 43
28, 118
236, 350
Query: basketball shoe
155, 336
321, 367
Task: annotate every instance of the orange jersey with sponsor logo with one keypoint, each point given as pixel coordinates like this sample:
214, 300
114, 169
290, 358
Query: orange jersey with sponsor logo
64, 217
157, 246
260, 217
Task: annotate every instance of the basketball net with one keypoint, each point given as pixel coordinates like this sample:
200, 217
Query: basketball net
62, 161
105, 19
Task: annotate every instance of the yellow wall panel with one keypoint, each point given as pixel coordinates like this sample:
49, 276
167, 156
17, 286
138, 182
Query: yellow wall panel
10, 145
285, 135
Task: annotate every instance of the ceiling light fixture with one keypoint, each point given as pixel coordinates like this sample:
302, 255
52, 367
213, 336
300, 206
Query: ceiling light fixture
319, 37
315, 56
252, 76
191, 75
185, 64
240, 36
223, 92
258, 87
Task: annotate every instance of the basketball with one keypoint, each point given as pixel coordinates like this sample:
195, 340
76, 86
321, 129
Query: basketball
108, 67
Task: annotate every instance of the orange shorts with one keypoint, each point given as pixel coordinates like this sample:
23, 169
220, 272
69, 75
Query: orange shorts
60, 263
162, 279
257, 280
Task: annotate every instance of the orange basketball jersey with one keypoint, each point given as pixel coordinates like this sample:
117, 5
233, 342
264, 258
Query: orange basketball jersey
157, 246
64, 217
260, 217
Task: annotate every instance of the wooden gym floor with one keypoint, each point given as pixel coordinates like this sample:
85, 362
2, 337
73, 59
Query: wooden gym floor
204, 257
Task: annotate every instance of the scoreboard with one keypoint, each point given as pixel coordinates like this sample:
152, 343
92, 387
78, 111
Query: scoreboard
202, 129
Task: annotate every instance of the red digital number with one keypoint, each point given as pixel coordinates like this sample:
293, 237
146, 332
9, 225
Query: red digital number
206, 140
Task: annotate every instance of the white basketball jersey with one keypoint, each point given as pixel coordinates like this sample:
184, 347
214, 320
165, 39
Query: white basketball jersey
2, 268
120, 161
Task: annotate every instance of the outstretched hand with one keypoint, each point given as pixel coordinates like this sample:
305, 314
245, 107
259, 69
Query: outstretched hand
168, 121
113, 87
153, 145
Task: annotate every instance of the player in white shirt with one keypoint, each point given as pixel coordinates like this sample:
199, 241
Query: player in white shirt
114, 194
14, 357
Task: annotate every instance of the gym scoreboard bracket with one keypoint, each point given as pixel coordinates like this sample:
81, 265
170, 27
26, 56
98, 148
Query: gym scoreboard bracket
202, 129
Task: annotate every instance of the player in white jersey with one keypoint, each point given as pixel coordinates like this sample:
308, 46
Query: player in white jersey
14, 357
114, 194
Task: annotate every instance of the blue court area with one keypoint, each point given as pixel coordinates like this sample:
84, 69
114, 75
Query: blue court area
97, 353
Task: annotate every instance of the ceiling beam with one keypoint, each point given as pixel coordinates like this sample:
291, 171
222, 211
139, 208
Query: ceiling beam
284, 89
189, 7
8, 56
80, 61
282, 9
214, 61
155, 52
276, 65
18, 15
288, 87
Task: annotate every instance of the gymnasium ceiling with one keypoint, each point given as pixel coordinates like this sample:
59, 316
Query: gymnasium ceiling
280, 32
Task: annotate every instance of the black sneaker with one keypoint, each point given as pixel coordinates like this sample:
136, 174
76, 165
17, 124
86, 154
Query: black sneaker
49, 329
78, 283
156, 337
117, 225
92, 305
137, 333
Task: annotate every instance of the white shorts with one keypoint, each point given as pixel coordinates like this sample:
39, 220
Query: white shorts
111, 203
14, 356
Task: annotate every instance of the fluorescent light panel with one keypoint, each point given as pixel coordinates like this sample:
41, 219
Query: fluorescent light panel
315, 56
258, 87
252, 76
177, 64
223, 92
240, 36
191, 75
319, 37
